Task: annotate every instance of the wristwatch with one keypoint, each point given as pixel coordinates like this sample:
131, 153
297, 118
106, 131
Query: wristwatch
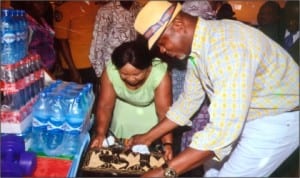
169, 172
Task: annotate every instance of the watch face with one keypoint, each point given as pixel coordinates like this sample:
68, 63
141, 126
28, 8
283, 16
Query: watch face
170, 173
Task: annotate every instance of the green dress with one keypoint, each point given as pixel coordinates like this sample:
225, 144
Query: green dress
134, 111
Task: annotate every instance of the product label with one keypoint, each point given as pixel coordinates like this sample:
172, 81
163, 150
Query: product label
8, 38
51, 126
37, 123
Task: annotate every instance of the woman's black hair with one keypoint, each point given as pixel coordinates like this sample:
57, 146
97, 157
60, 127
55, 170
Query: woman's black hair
134, 52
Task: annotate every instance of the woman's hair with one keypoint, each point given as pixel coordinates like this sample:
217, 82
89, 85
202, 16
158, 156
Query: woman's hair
135, 53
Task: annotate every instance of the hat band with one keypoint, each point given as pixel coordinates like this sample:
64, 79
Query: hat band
164, 18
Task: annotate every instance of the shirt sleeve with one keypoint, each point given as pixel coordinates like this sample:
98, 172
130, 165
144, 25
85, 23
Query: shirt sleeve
232, 78
190, 99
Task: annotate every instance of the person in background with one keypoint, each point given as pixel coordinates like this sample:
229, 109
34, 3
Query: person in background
74, 22
252, 84
199, 8
269, 20
135, 93
113, 26
226, 12
39, 15
290, 40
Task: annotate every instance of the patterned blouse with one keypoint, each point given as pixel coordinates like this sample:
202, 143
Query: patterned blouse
113, 26
245, 75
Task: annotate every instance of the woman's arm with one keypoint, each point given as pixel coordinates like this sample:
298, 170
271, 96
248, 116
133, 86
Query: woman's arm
105, 106
163, 100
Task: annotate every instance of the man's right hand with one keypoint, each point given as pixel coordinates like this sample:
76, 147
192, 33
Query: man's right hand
140, 139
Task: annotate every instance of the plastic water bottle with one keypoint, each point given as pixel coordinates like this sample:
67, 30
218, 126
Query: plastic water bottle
55, 128
72, 143
24, 72
74, 120
41, 115
88, 90
40, 74
24, 33
18, 31
8, 37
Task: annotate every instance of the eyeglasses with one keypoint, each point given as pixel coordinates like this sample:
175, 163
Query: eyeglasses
165, 18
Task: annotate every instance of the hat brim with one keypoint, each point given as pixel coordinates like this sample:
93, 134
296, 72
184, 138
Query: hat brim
159, 32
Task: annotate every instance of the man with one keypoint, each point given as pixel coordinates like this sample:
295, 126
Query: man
74, 22
252, 84
290, 40
268, 20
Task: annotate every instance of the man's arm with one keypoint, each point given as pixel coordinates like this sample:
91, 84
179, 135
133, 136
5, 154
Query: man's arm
185, 161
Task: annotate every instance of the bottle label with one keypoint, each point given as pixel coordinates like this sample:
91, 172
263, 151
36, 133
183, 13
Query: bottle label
37, 123
23, 36
51, 126
8, 38
70, 128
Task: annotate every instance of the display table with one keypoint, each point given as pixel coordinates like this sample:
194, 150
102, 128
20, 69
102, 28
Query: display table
60, 167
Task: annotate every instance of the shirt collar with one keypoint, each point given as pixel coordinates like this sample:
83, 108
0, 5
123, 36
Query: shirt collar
295, 36
198, 39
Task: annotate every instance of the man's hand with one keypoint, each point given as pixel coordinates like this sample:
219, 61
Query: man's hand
140, 139
168, 155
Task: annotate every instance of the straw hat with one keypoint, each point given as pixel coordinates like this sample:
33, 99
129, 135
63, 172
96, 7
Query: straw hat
153, 19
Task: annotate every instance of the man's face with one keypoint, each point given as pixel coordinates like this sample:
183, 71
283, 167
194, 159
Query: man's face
172, 43
267, 16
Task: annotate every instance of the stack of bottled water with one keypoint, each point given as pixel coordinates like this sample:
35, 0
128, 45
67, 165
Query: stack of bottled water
14, 36
61, 118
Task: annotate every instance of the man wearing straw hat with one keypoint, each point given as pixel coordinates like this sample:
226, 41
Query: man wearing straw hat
252, 84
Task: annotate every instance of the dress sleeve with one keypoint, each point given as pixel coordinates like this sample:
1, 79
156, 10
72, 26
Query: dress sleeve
160, 68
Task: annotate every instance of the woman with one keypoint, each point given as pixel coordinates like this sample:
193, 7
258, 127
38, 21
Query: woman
134, 96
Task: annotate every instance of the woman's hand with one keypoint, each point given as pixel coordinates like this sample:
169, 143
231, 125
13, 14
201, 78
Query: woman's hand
97, 142
168, 152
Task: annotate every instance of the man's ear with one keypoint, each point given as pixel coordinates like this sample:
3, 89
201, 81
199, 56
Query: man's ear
177, 24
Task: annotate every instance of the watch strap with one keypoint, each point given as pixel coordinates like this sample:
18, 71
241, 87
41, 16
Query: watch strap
169, 172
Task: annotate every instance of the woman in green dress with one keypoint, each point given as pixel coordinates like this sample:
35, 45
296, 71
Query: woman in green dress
135, 94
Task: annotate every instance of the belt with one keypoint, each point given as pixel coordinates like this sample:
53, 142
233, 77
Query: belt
297, 108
